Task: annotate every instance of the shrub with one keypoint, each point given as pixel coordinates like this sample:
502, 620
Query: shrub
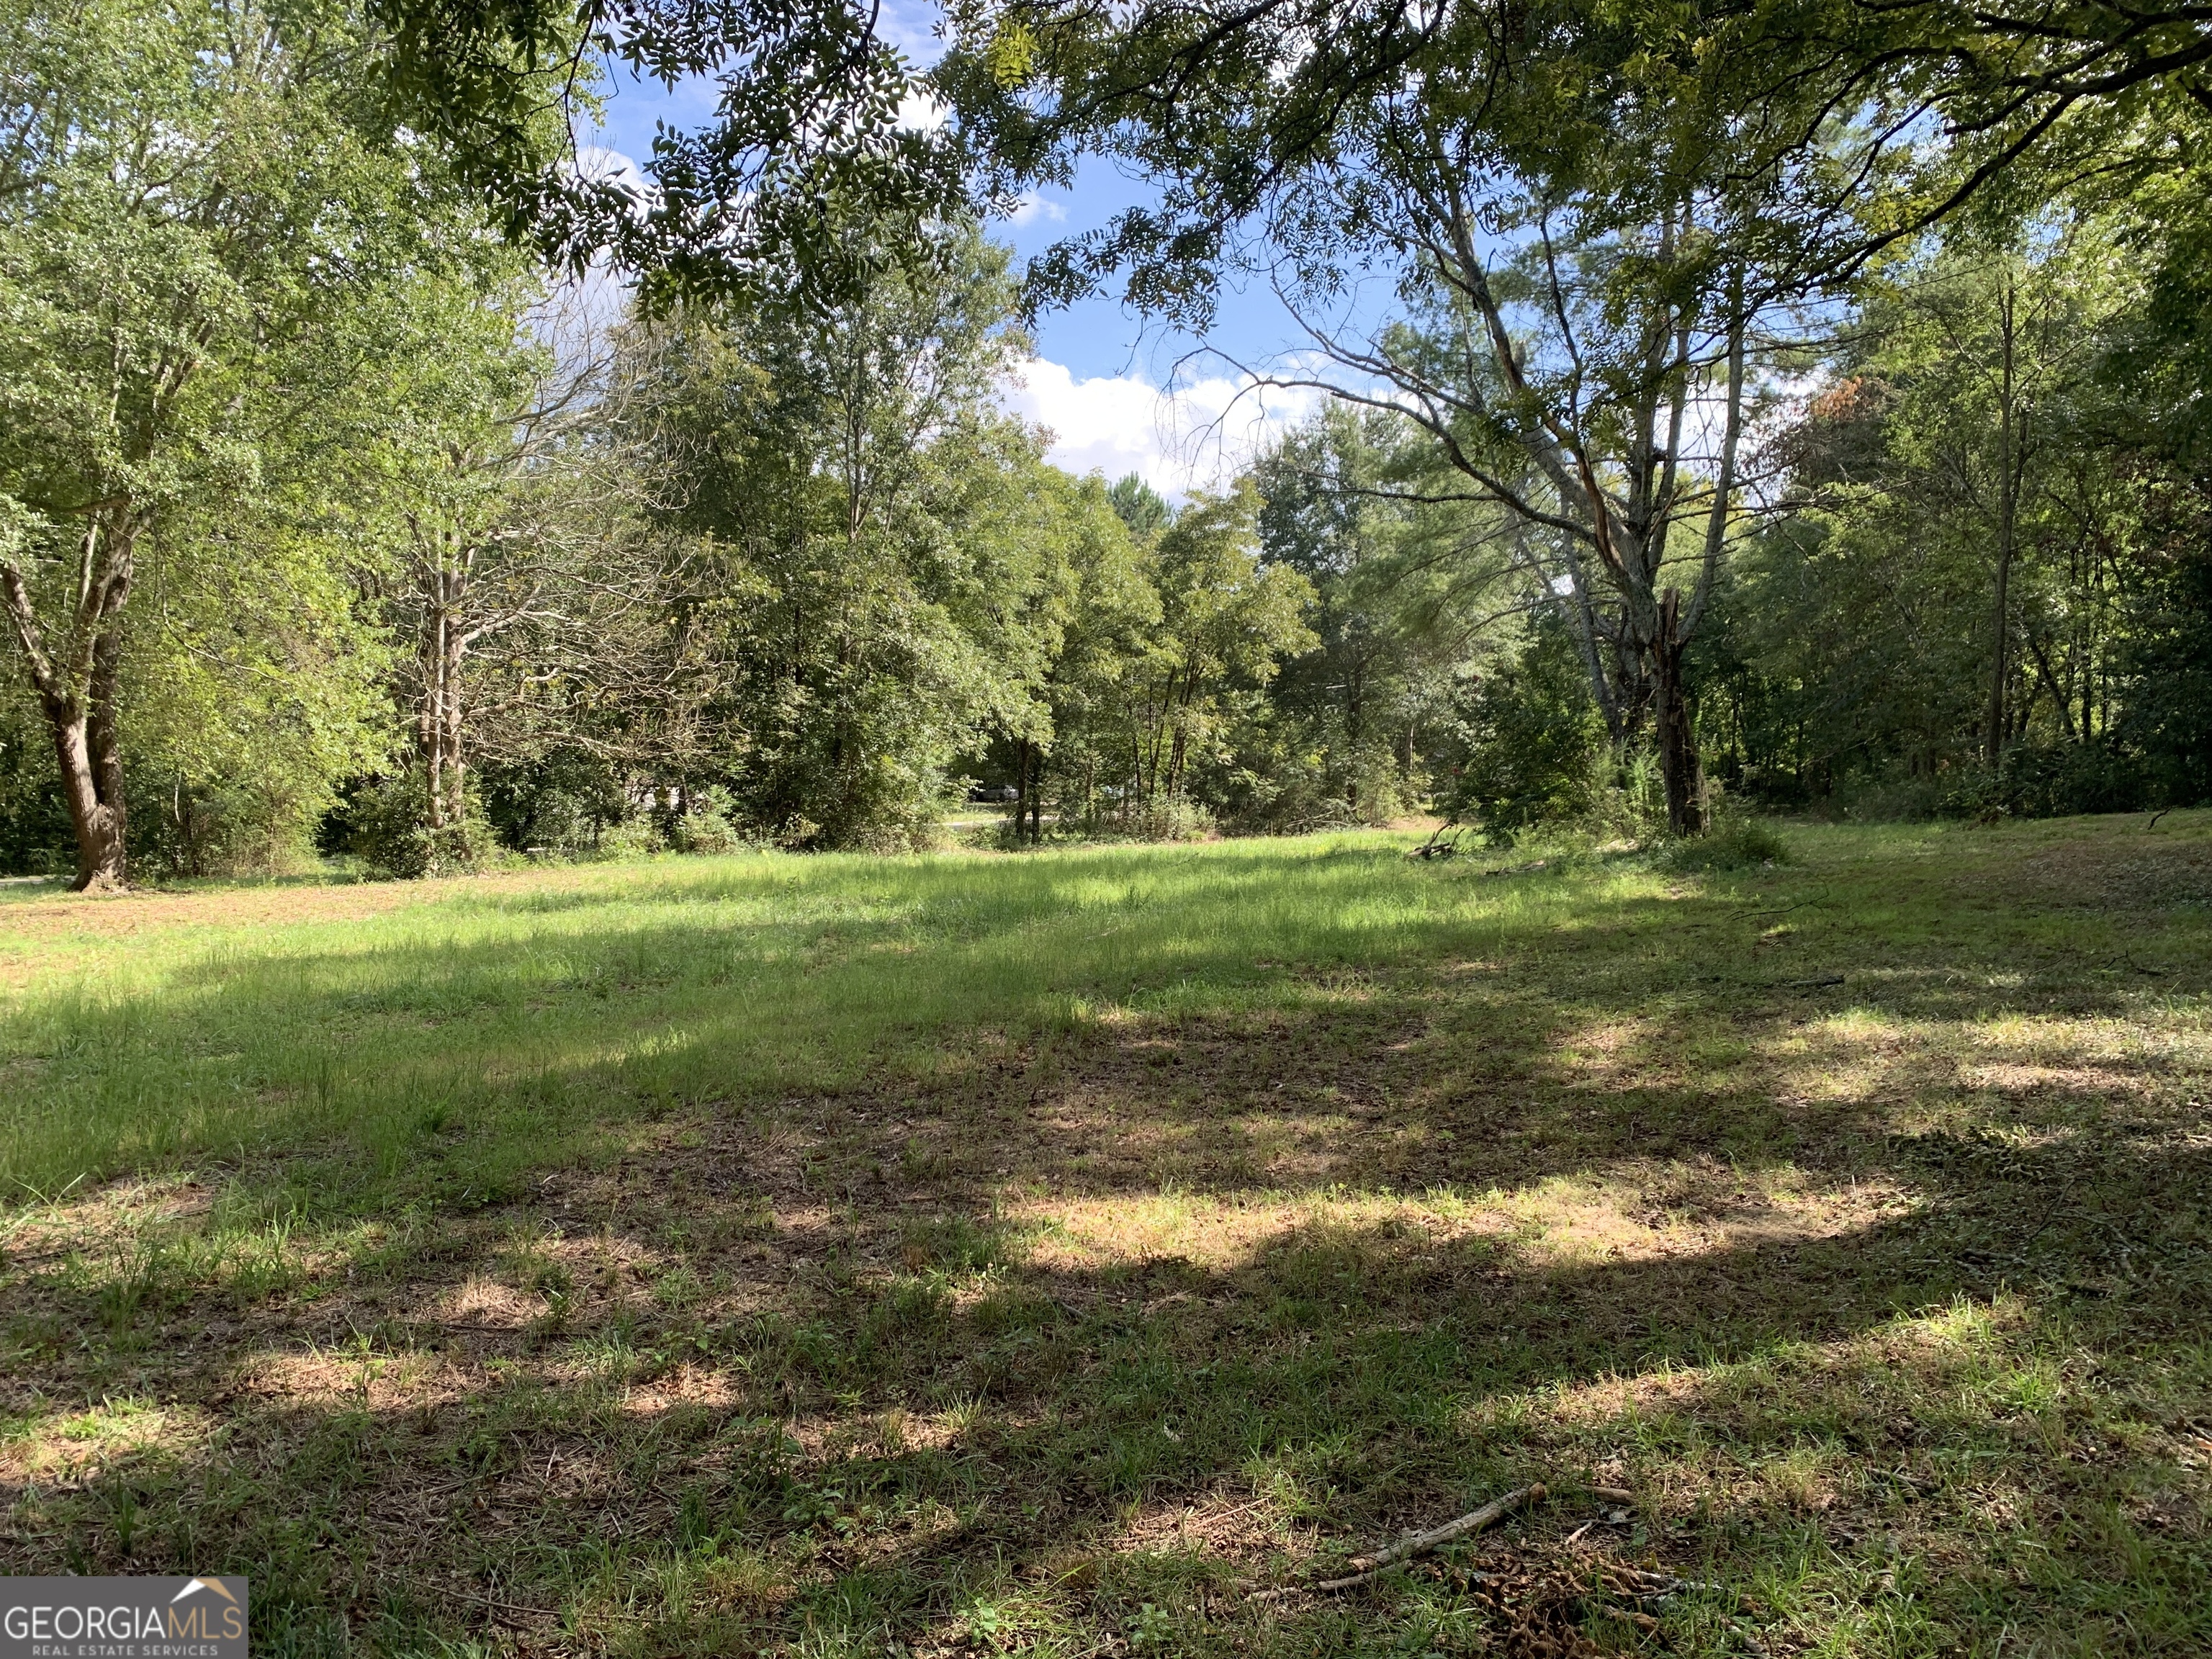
705, 824
558, 804
256, 827
633, 838
1176, 818
1736, 843
1535, 747
2037, 782
382, 824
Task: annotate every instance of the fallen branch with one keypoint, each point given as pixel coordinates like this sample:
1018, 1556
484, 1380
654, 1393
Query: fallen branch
1815, 984
1443, 843
1422, 1542
1374, 1565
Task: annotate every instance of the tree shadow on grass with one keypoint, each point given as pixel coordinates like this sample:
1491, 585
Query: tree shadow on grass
901, 1417
1132, 1310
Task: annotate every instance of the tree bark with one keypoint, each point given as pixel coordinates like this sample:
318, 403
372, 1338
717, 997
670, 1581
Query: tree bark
1677, 745
105, 866
97, 823
431, 737
77, 684
1995, 727
456, 811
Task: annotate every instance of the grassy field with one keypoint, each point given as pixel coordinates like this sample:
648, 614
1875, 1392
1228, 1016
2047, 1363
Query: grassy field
1044, 1254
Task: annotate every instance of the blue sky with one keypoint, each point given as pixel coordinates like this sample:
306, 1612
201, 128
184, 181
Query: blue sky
1120, 393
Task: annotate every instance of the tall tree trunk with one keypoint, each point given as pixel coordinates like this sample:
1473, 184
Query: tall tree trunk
104, 742
450, 724
77, 684
1678, 744
433, 710
97, 823
1995, 727
1033, 787
1354, 724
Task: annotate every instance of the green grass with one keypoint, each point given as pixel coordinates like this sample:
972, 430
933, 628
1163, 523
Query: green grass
1041, 1252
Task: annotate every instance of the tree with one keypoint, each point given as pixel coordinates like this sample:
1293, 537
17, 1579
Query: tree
186, 198
1084, 615
1140, 506
752, 208
1226, 622
508, 496
1405, 584
887, 582
1598, 252
1966, 533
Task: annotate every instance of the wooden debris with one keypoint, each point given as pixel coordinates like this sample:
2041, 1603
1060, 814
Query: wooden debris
1373, 1566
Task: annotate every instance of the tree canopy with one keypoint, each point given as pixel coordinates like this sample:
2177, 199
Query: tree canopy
1799, 404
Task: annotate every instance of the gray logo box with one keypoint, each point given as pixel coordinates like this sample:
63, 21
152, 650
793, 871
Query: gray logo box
202, 1618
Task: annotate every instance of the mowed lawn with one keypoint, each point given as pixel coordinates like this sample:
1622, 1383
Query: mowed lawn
1047, 1253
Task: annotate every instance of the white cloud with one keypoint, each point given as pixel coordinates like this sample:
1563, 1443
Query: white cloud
597, 164
1198, 435
1033, 207
918, 111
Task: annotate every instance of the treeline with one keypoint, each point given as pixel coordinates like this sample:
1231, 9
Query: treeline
335, 524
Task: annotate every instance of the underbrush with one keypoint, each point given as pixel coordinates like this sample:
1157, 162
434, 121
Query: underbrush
1736, 842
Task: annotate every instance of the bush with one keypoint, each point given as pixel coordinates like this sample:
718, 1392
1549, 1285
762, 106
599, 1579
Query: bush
558, 804
2045, 782
1176, 818
227, 829
1625, 799
705, 824
1534, 745
381, 823
633, 838
1736, 843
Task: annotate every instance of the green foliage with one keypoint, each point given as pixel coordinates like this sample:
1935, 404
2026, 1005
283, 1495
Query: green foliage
382, 822
319, 497
1736, 842
1530, 740
558, 802
199, 215
1204, 625
34, 825
1141, 507
1854, 658
2166, 657
887, 577
1355, 719
707, 823
2099, 775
